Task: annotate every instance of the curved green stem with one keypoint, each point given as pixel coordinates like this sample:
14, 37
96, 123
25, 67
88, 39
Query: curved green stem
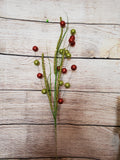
57, 49
59, 75
55, 64
46, 83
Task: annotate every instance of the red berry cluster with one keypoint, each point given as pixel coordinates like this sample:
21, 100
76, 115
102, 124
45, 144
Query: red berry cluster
64, 70
72, 38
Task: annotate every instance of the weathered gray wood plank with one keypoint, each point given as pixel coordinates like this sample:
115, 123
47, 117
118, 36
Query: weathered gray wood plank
91, 75
77, 10
78, 108
38, 141
18, 37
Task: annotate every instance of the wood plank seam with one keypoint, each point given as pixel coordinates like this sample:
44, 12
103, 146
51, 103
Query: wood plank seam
81, 23
97, 58
80, 91
59, 124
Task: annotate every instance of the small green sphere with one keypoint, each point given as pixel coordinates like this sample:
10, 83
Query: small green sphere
68, 55
44, 91
73, 31
36, 62
66, 52
67, 85
61, 51
60, 83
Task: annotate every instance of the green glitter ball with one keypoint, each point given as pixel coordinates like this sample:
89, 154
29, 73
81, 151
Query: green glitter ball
66, 51
73, 31
60, 83
67, 85
61, 51
68, 55
44, 91
47, 20
36, 62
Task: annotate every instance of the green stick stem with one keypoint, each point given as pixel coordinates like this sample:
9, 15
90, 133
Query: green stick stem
46, 83
55, 66
57, 49
59, 75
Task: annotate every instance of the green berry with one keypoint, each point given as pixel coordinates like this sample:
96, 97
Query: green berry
66, 51
61, 51
73, 31
47, 20
60, 83
68, 55
67, 85
44, 91
36, 62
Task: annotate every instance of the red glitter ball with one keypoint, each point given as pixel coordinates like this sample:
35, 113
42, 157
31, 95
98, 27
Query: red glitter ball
39, 75
71, 40
73, 67
64, 70
72, 44
60, 101
35, 48
62, 23
72, 37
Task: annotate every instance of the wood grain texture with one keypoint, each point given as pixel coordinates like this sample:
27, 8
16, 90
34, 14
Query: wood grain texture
31, 141
77, 10
28, 107
18, 37
91, 75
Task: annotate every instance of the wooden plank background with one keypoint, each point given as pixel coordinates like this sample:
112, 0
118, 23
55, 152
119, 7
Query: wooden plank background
89, 119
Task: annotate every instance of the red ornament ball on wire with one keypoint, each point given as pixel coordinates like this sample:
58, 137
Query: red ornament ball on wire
72, 37
62, 24
35, 48
71, 40
60, 101
64, 70
73, 67
39, 75
72, 44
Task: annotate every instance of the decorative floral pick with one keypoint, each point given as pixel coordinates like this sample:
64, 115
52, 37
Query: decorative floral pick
60, 55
